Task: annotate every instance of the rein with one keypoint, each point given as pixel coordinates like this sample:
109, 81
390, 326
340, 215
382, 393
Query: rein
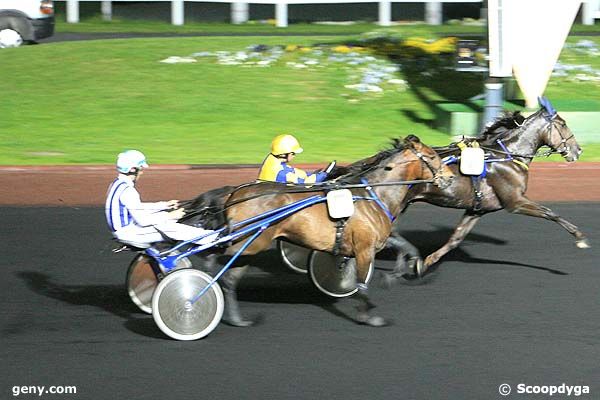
302, 188
331, 185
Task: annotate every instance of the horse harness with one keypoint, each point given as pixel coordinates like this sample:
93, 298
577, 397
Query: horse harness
508, 156
340, 224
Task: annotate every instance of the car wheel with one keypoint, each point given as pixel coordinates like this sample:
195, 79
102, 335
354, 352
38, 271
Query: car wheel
10, 38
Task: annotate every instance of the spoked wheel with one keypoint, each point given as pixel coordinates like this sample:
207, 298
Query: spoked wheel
332, 276
173, 311
294, 256
142, 280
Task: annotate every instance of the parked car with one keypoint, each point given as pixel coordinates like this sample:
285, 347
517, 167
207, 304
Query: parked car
24, 21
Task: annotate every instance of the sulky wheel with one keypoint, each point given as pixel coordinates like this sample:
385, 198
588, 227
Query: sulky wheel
332, 276
294, 256
173, 311
142, 280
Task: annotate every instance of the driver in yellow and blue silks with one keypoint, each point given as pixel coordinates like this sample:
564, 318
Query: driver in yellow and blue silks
276, 166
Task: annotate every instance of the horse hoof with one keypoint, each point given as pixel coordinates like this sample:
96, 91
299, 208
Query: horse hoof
583, 244
387, 281
419, 267
238, 322
376, 321
371, 320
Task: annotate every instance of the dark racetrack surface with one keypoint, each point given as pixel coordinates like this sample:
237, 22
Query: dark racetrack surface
516, 303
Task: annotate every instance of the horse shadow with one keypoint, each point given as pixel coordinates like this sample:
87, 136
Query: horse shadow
270, 282
429, 241
109, 298
275, 282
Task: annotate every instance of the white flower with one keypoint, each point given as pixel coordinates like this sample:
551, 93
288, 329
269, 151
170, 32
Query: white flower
397, 82
177, 59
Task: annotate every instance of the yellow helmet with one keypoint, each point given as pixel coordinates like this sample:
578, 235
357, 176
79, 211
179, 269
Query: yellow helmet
284, 144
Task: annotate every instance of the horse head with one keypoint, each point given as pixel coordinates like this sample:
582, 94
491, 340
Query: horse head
439, 172
558, 136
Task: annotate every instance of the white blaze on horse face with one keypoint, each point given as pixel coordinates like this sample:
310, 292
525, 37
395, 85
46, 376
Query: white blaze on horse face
563, 141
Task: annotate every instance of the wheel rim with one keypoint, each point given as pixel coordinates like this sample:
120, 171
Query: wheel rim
141, 282
330, 279
10, 38
176, 316
293, 256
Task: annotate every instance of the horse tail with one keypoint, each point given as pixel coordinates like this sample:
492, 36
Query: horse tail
207, 209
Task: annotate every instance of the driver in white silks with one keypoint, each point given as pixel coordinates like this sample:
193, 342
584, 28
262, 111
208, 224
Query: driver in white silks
142, 224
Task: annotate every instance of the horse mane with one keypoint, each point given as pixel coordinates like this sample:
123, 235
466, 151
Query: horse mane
353, 172
507, 121
206, 210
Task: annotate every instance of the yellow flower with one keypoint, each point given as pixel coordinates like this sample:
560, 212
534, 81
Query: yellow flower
444, 45
291, 47
342, 49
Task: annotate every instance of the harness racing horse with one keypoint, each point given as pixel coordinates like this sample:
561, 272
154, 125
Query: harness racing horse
511, 143
380, 186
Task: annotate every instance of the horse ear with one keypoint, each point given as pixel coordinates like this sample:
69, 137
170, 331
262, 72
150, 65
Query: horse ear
518, 118
413, 138
541, 101
396, 142
546, 105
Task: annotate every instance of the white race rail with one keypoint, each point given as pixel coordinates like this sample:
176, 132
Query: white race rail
240, 10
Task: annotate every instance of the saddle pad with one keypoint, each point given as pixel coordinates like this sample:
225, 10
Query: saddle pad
340, 203
472, 161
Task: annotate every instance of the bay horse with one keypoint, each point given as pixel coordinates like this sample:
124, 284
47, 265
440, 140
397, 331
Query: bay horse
364, 233
511, 143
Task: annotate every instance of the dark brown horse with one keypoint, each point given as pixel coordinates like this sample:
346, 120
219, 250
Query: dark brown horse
365, 232
512, 140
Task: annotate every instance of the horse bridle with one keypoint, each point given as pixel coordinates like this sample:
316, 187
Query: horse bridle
552, 120
436, 173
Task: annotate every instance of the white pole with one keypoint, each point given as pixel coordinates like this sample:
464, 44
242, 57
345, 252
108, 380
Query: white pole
433, 13
177, 13
239, 12
281, 14
591, 10
385, 13
500, 38
106, 8
72, 11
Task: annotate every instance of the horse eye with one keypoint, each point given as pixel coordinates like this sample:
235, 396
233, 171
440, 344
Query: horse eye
388, 168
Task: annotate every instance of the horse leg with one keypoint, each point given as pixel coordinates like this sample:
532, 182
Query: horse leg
365, 305
228, 282
527, 207
465, 226
208, 263
404, 249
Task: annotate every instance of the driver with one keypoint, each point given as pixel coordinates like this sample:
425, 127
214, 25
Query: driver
276, 166
142, 224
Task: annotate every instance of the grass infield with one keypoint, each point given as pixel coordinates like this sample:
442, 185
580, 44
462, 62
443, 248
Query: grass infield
83, 102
